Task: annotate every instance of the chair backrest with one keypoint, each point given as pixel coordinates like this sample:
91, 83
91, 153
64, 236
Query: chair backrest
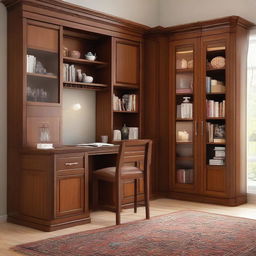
135, 153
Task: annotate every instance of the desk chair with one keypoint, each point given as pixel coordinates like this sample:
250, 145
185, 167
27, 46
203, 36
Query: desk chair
133, 163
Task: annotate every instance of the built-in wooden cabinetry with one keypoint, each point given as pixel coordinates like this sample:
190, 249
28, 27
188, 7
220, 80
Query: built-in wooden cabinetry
156, 68
43, 40
207, 141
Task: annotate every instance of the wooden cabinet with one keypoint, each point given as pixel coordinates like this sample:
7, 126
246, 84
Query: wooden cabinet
205, 133
47, 206
72, 185
46, 55
126, 61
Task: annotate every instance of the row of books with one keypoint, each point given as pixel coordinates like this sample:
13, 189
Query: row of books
126, 103
219, 156
69, 73
216, 133
215, 108
31, 64
185, 176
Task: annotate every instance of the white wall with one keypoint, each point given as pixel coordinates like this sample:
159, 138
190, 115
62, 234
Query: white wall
176, 12
3, 114
141, 11
79, 124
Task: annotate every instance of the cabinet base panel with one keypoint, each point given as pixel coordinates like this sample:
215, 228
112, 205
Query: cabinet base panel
48, 227
211, 200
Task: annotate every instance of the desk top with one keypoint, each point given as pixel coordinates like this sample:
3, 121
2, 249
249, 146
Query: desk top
73, 149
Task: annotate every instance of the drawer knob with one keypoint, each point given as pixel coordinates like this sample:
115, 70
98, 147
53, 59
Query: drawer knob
70, 164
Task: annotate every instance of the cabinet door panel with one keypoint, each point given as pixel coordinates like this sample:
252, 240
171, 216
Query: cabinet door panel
217, 136
70, 195
43, 38
126, 62
184, 125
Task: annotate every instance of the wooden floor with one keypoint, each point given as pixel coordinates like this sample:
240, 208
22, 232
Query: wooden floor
11, 234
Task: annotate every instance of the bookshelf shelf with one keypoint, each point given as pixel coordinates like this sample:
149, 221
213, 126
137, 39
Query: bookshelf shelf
125, 112
215, 69
215, 118
77, 85
184, 142
42, 75
216, 143
184, 119
70, 60
184, 70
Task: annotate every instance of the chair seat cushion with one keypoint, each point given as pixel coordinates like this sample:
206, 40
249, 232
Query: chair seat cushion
127, 172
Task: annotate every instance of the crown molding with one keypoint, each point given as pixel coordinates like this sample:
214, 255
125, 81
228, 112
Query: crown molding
79, 11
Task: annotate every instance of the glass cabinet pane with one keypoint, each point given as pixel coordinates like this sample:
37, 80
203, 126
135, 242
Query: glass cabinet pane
215, 109
42, 64
184, 115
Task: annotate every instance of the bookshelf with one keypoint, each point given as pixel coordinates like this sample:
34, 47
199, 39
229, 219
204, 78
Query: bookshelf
207, 149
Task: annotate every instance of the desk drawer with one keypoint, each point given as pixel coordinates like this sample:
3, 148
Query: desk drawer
66, 162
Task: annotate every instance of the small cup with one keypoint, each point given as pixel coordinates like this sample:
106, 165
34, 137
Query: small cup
104, 139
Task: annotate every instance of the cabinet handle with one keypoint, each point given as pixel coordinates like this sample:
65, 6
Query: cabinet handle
202, 126
196, 128
70, 164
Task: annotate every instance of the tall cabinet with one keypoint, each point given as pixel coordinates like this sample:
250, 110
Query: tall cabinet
208, 101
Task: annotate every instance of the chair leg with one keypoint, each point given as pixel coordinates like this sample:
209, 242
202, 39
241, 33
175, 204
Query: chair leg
146, 195
118, 204
95, 193
135, 195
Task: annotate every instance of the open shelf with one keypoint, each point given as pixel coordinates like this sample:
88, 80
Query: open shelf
125, 112
210, 69
184, 70
216, 143
184, 119
184, 142
84, 61
42, 75
215, 118
77, 85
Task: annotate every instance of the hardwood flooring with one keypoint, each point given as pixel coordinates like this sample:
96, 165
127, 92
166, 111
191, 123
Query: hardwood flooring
11, 234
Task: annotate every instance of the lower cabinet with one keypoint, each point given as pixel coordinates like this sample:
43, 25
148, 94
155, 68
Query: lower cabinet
54, 191
71, 185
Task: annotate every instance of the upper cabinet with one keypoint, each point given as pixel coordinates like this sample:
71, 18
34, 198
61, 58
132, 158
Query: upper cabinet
42, 63
126, 63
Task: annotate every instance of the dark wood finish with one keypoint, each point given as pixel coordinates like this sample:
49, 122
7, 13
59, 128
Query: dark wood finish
133, 163
127, 63
215, 184
44, 27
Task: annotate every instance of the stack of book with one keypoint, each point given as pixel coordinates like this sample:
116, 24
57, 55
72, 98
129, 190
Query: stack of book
216, 133
126, 103
215, 108
31, 64
69, 73
185, 176
219, 158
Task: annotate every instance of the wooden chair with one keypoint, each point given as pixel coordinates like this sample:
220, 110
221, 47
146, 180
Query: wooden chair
133, 163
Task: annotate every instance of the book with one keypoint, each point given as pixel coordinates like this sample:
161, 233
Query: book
125, 103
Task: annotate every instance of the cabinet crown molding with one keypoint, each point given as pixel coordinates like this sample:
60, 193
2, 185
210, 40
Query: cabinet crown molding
79, 11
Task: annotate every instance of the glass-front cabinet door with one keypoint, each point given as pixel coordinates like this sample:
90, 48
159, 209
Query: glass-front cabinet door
214, 94
184, 104
42, 61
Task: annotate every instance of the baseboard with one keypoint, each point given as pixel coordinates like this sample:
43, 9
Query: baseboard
3, 218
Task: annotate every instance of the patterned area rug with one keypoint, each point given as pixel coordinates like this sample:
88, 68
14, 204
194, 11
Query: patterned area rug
186, 233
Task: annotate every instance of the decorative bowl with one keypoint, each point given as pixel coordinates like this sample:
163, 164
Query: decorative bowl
218, 62
90, 56
88, 79
75, 54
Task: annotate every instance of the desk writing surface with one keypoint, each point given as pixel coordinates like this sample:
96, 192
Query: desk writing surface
73, 149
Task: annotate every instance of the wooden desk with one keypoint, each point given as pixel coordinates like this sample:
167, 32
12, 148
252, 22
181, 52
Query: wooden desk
54, 185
